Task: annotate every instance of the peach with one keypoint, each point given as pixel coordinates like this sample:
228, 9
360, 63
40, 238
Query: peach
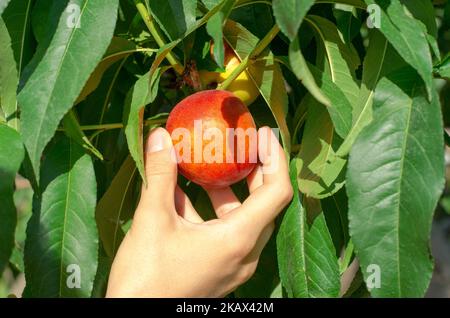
214, 137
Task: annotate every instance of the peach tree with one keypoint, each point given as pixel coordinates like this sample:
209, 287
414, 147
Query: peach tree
356, 88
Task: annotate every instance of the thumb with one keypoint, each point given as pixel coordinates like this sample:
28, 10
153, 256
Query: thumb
160, 170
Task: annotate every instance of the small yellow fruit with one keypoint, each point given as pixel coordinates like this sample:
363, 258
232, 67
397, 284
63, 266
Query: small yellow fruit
243, 86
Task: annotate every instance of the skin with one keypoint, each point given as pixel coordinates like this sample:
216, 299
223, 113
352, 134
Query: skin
170, 251
220, 110
243, 86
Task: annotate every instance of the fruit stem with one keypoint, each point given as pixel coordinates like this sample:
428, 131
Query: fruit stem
152, 27
259, 48
265, 41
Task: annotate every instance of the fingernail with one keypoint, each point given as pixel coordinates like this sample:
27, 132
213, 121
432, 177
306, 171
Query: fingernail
158, 140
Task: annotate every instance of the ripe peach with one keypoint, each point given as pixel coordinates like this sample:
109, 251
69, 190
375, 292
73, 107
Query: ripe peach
243, 86
214, 137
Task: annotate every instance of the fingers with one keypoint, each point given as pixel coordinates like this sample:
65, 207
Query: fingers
223, 200
255, 179
184, 207
161, 173
266, 201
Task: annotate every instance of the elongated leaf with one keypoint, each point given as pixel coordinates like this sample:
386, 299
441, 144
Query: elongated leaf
341, 59
118, 49
45, 18
395, 177
347, 21
11, 156
40, 18
73, 130
320, 171
216, 6
62, 241
443, 68
291, 244
407, 36
321, 261
9, 79
214, 27
258, 19
143, 92
289, 15
340, 109
301, 70
266, 74
175, 17
75, 50
15, 39
3, 5
115, 207
101, 278
17, 18
379, 60
335, 209
306, 256
424, 11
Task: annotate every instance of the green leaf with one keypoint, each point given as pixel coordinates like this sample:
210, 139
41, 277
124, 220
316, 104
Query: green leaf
11, 156
340, 109
443, 68
175, 17
3, 5
335, 209
258, 19
306, 256
209, 4
216, 6
71, 57
341, 59
321, 261
141, 94
23, 197
73, 130
9, 79
423, 11
347, 21
214, 27
62, 238
395, 178
291, 244
44, 18
118, 49
17, 18
265, 73
407, 36
289, 15
320, 171
115, 207
101, 278
16, 50
301, 70
40, 18
379, 60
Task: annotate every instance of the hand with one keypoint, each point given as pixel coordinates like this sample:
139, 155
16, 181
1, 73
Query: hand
170, 251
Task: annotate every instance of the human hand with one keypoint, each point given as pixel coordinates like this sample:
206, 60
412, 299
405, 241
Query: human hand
170, 251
